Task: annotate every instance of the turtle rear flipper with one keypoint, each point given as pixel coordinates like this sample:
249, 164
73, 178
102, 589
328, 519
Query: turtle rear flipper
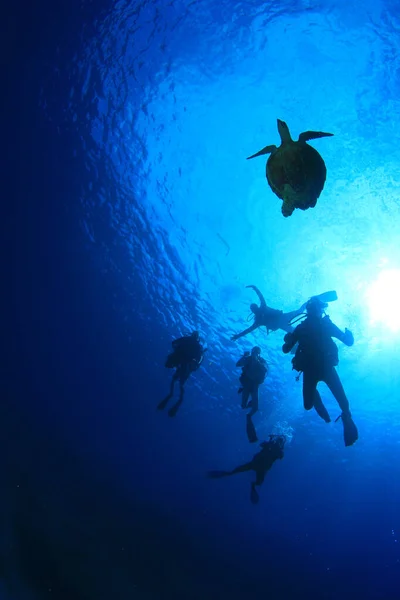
266, 150
289, 200
312, 135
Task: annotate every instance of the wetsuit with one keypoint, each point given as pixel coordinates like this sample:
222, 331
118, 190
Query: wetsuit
261, 464
270, 318
317, 356
253, 374
186, 357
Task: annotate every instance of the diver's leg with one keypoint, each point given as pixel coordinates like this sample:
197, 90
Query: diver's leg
164, 402
174, 380
310, 381
184, 376
174, 409
251, 430
331, 378
350, 431
292, 314
321, 408
260, 475
242, 468
218, 474
245, 396
254, 401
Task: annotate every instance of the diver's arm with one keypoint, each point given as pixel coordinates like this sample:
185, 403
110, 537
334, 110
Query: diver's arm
290, 340
242, 360
345, 337
263, 304
245, 332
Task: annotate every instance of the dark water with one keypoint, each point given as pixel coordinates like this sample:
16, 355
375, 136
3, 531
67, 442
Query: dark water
130, 217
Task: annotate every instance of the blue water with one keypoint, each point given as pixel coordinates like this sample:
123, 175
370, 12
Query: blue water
139, 219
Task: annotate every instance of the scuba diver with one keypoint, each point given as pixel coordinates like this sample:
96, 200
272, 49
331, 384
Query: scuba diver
261, 463
186, 357
317, 356
254, 371
268, 317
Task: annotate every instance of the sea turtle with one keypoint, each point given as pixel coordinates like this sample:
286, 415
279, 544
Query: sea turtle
295, 171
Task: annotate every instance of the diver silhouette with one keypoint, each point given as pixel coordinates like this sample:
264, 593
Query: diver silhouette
317, 356
260, 463
186, 357
254, 371
271, 318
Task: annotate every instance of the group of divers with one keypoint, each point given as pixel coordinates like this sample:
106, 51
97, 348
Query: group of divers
315, 356
296, 173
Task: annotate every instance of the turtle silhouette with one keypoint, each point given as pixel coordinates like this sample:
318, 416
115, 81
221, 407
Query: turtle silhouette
295, 171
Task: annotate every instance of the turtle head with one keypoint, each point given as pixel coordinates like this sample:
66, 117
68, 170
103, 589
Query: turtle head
283, 131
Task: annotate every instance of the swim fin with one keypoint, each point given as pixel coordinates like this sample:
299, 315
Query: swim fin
251, 430
164, 402
217, 474
327, 296
254, 497
350, 431
174, 409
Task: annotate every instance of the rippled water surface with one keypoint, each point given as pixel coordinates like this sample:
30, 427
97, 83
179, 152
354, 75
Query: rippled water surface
172, 97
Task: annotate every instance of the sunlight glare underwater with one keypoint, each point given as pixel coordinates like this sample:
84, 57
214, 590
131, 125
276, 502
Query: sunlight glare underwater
383, 297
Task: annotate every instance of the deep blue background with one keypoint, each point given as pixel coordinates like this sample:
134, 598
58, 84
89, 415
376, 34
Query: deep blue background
129, 217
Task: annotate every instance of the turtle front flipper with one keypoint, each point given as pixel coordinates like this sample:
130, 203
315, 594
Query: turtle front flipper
266, 150
312, 135
289, 200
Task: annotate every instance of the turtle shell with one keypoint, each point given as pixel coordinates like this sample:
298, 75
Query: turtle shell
299, 165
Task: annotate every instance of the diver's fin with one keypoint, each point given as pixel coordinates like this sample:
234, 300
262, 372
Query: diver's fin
327, 296
350, 431
164, 402
217, 474
254, 497
174, 409
313, 135
266, 150
251, 430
